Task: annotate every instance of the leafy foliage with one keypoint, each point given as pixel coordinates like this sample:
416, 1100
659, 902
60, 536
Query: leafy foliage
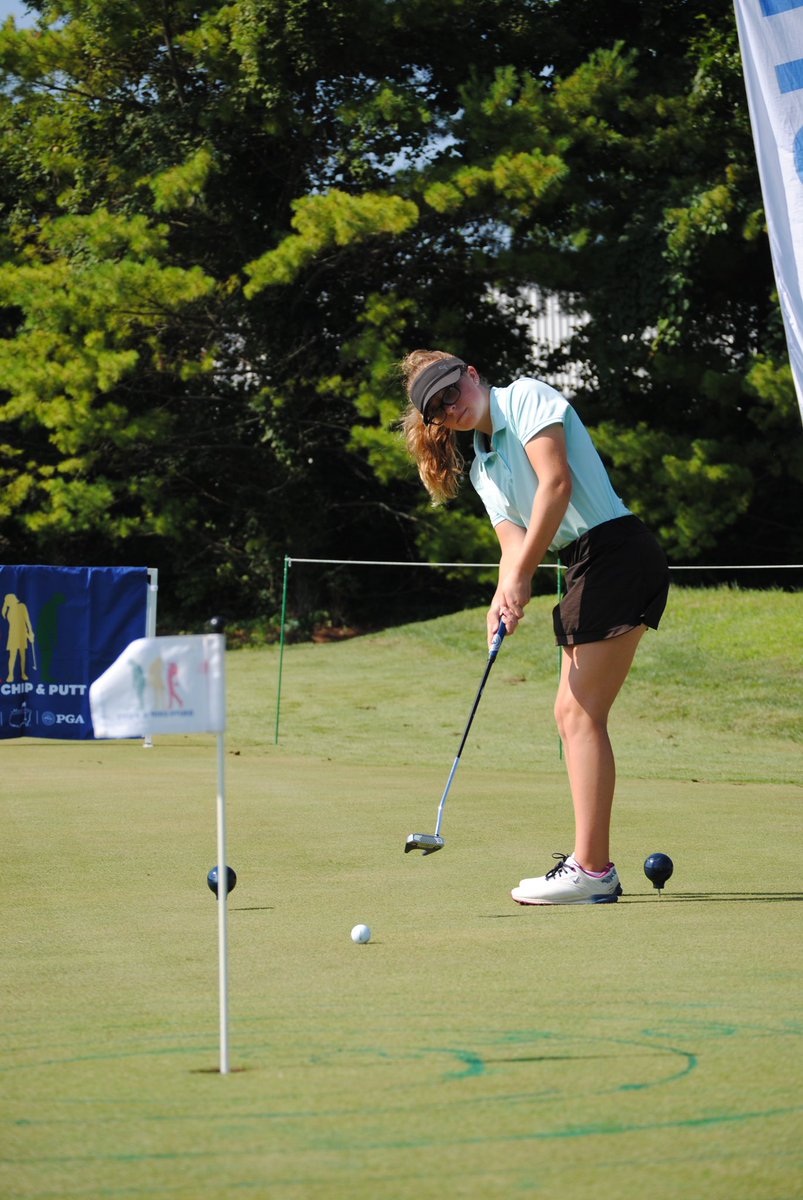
222, 224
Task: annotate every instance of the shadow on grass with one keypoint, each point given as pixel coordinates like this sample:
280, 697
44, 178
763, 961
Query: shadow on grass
720, 897
677, 898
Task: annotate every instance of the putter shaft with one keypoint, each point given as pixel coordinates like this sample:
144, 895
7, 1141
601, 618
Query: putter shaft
429, 843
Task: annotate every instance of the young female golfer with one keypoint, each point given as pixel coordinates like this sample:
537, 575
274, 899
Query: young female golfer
544, 487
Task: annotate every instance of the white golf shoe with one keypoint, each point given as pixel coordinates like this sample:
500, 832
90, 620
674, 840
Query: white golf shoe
568, 883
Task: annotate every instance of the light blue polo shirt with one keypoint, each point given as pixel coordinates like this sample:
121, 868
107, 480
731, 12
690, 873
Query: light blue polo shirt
503, 475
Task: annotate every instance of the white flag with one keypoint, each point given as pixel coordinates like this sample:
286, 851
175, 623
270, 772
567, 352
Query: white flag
771, 38
162, 685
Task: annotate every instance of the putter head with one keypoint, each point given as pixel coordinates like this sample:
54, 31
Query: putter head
428, 842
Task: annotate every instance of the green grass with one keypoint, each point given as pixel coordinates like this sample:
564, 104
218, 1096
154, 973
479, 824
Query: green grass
473, 1048
716, 694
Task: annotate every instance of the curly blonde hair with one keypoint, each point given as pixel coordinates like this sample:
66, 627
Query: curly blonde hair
433, 448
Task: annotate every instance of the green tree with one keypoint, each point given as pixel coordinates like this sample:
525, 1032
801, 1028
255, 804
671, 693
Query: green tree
223, 223
627, 185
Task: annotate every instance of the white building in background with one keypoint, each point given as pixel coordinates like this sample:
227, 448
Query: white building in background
551, 328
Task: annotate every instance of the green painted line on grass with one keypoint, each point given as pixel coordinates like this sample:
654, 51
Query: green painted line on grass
691, 1060
164, 1052
595, 1130
572, 1131
474, 1063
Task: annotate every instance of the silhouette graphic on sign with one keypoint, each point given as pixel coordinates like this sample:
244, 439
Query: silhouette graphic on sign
47, 634
156, 681
139, 682
172, 680
20, 633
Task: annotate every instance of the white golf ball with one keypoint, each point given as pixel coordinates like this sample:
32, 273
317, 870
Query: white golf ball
361, 934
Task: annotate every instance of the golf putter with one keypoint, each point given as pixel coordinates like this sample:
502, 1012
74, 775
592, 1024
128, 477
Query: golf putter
430, 842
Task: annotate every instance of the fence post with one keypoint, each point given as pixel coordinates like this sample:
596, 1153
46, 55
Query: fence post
287, 562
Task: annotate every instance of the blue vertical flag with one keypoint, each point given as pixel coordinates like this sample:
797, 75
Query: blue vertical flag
60, 628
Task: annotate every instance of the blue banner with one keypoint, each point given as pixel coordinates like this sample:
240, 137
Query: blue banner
60, 628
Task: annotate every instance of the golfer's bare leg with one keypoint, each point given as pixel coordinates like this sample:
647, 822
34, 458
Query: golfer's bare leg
591, 678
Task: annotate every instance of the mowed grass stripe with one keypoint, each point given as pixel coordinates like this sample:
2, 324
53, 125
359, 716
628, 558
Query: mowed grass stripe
472, 1048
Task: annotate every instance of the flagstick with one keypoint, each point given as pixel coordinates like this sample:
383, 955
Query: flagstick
118, 710
222, 897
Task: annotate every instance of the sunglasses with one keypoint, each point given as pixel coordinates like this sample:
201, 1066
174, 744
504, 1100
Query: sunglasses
436, 409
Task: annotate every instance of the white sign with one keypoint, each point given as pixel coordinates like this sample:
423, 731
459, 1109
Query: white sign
162, 685
771, 38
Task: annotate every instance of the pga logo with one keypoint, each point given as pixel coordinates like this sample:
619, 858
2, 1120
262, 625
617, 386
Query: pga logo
49, 718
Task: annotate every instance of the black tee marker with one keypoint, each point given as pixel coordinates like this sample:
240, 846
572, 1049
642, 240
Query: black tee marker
658, 868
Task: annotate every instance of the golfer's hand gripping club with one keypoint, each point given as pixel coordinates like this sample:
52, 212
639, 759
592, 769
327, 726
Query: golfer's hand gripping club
429, 843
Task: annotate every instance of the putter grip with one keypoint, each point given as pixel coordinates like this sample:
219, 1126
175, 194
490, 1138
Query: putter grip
497, 640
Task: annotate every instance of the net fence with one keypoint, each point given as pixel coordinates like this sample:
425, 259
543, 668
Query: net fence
558, 568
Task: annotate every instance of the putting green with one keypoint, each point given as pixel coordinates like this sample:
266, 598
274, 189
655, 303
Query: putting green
473, 1048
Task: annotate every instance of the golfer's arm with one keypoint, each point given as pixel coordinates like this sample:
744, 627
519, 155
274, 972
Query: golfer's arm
511, 539
547, 455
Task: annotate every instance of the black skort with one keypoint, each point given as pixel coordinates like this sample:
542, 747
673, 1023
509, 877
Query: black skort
616, 580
